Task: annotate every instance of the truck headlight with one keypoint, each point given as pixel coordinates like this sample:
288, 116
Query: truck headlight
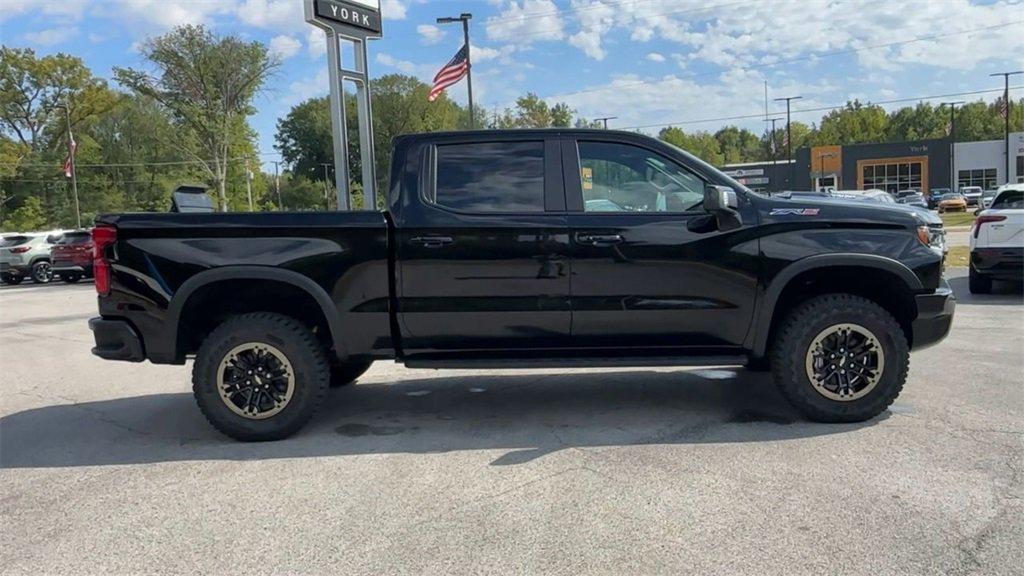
932, 237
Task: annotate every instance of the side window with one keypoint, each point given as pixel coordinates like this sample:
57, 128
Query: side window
490, 177
624, 178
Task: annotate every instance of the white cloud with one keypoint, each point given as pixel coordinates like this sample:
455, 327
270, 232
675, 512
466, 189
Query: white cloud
403, 66
502, 55
526, 22
284, 47
50, 36
316, 42
306, 88
71, 9
393, 9
430, 34
655, 57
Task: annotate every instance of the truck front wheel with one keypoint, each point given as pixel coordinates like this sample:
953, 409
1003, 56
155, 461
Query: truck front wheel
840, 358
260, 376
345, 373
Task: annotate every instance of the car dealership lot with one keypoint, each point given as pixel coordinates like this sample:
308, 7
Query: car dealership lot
109, 467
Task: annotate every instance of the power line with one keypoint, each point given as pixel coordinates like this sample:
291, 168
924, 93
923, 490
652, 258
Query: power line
791, 60
817, 109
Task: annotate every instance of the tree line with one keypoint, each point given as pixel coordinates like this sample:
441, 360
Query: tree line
185, 119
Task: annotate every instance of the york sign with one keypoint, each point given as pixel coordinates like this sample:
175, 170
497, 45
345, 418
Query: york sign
364, 14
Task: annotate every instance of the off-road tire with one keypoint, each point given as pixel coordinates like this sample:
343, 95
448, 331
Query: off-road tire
345, 373
793, 339
978, 283
302, 350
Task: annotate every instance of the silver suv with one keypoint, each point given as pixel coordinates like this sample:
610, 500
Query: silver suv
26, 255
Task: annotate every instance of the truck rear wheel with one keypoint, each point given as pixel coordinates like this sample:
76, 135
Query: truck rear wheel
345, 373
840, 358
260, 376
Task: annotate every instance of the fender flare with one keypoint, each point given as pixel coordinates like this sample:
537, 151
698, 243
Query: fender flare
757, 340
189, 287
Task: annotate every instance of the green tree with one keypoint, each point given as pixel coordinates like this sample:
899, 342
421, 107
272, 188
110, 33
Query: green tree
207, 84
920, 122
855, 123
739, 145
28, 217
530, 111
701, 144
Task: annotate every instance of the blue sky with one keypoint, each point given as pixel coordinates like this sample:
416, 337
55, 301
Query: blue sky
649, 62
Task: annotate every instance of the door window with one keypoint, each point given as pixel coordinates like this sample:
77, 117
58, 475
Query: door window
624, 178
490, 177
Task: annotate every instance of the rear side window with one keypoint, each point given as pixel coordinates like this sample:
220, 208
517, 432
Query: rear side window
75, 238
1009, 200
491, 177
14, 241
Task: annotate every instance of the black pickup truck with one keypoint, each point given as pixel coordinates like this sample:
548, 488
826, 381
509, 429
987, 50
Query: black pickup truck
525, 249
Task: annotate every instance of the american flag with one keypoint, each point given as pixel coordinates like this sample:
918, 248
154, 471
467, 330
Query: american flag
1004, 109
451, 73
69, 160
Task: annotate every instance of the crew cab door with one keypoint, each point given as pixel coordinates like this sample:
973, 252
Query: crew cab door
641, 277
482, 249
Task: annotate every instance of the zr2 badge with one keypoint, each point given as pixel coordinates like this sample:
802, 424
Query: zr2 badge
795, 211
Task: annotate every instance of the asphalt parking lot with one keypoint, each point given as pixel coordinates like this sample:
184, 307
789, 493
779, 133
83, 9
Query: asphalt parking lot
109, 467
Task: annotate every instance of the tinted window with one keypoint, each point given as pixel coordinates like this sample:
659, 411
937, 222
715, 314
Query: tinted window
491, 177
14, 241
75, 238
624, 178
1009, 199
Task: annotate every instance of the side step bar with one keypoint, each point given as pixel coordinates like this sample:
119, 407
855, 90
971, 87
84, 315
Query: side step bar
524, 363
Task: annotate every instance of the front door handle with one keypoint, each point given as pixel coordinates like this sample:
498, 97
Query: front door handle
432, 241
599, 239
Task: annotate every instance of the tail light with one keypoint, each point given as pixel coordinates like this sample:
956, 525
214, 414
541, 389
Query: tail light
20, 249
102, 237
984, 219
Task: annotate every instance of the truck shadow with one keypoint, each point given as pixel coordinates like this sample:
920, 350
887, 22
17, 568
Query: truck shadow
1002, 292
525, 416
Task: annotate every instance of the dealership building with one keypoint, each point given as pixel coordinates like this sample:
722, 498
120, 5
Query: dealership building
891, 166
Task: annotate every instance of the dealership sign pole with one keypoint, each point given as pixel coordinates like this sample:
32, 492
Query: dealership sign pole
355, 21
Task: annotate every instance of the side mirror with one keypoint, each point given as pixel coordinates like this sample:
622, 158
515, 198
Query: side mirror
721, 203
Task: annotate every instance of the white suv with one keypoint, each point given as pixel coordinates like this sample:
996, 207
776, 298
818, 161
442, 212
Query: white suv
24, 255
997, 241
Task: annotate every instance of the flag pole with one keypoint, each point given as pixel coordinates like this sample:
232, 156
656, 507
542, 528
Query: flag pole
465, 17
1006, 118
71, 161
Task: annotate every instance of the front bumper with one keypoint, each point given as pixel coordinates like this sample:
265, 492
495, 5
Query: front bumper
116, 340
1001, 263
19, 269
934, 316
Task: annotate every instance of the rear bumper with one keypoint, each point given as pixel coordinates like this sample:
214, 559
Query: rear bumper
63, 268
116, 340
934, 316
1001, 263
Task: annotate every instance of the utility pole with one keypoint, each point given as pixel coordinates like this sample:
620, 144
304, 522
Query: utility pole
248, 185
71, 162
606, 119
465, 17
277, 186
327, 201
952, 144
1006, 103
770, 144
789, 138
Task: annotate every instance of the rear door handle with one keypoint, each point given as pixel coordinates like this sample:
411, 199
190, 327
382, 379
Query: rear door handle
599, 239
432, 241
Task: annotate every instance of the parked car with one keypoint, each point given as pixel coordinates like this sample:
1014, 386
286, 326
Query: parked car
997, 241
870, 195
971, 194
72, 256
27, 256
987, 197
952, 202
487, 257
916, 199
933, 197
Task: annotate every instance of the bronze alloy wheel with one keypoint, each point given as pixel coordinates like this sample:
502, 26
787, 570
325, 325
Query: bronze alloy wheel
255, 380
845, 362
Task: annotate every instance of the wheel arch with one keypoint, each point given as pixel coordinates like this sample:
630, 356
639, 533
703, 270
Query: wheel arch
184, 299
886, 272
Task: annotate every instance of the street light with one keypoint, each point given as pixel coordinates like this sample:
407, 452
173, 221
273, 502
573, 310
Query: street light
789, 137
1006, 102
821, 171
465, 17
953, 185
606, 119
71, 159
